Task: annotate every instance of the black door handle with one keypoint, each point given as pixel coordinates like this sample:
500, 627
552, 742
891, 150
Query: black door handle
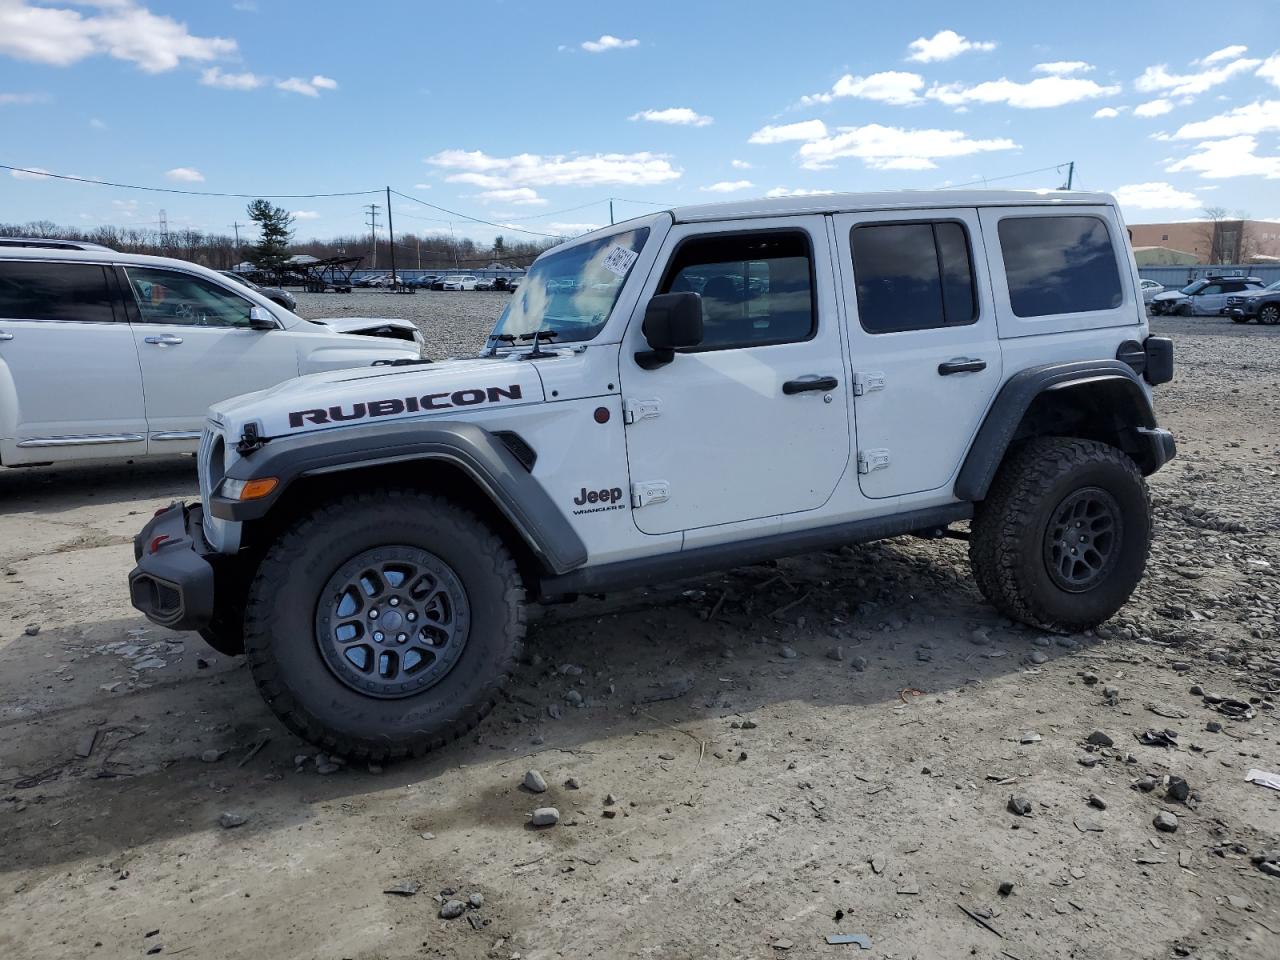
810, 383
963, 365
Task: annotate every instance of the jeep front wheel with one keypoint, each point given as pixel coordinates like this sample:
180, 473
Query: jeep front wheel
1062, 538
383, 625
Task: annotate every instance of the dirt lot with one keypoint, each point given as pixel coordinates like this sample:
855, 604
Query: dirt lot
826, 746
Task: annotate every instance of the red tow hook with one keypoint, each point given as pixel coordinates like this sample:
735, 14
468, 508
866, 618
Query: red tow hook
158, 542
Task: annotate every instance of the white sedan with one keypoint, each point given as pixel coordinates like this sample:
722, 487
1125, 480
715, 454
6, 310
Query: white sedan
460, 282
106, 354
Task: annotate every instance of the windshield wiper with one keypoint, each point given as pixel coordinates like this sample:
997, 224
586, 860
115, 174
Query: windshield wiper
538, 336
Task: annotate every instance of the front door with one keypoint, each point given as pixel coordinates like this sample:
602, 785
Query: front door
923, 343
70, 386
753, 422
197, 349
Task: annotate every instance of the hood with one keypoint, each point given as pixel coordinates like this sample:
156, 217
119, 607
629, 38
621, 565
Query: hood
322, 401
364, 325
1170, 295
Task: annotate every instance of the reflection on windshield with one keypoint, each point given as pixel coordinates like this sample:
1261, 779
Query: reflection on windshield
572, 293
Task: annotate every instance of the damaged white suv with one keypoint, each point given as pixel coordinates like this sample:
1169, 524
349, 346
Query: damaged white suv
106, 354
694, 390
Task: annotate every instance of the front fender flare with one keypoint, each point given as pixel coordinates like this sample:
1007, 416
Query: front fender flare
477, 452
1015, 398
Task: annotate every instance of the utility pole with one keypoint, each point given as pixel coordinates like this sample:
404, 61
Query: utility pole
419, 239
1071, 171
391, 236
372, 210
611, 211
236, 227
164, 230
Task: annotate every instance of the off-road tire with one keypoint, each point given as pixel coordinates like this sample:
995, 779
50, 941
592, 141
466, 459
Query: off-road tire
1269, 314
284, 653
1007, 545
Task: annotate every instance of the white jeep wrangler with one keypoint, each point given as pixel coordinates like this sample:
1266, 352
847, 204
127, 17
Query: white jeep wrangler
698, 389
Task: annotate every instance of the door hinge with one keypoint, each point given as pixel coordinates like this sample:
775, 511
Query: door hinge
867, 381
871, 460
633, 410
646, 492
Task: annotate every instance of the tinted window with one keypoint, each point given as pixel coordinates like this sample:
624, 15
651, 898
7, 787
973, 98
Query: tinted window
1210, 290
55, 291
165, 296
1059, 265
912, 276
756, 289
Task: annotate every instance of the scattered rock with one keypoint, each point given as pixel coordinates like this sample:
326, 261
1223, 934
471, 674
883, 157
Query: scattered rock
406, 888
544, 817
787, 653
1038, 657
32, 629
475, 901
1165, 821
1019, 805
535, 782
573, 783
1005, 888
1097, 802
1178, 790
1147, 784
229, 820
452, 909
610, 800
1100, 739
212, 756
859, 664
1089, 679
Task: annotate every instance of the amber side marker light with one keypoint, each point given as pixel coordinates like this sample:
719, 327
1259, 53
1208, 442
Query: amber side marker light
249, 489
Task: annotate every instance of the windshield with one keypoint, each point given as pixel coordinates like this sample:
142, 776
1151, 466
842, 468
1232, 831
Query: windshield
572, 292
1191, 288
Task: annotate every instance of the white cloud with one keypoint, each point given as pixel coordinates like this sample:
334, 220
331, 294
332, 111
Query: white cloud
30, 173
215, 77
1105, 113
678, 116
1270, 70
893, 148
520, 196
305, 214
1063, 68
728, 186
739, 164
308, 88
17, 99
1234, 157
118, 28
1234, 52
804, 130
944, 45
422, 186
532, 170
797, 192
1158, 79
185, 175
608, 42
572, 229
1153, 108
891, 86
1034, 94
1261, 116
1156, 196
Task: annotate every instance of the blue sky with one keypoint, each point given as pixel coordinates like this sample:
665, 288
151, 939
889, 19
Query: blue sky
517, 112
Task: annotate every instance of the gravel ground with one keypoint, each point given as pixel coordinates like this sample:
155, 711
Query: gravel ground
454, 322
844, 743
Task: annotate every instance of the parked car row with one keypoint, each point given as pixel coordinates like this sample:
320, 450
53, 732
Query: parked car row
441, 281
1206, 297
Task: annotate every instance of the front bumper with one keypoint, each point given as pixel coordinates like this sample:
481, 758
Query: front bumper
1239, 313
173, 583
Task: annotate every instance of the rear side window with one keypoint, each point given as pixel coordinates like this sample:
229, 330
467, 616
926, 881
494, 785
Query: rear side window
76, 292
1059, 265
756, 288
912, 276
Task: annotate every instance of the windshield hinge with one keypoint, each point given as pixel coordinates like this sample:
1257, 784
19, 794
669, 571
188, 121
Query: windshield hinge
646, 492
634, 410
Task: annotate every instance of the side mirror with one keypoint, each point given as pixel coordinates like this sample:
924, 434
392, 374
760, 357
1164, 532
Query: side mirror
671, 321
261, 319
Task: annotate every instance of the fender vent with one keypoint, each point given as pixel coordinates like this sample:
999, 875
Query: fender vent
519, 449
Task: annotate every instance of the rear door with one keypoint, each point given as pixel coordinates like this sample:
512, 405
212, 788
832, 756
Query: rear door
196, 348
923, 344
70, 385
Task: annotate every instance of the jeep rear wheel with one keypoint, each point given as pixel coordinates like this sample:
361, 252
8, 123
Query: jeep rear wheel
1062, 538
383, 625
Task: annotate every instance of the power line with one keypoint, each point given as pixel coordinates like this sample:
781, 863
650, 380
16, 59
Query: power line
1009, 176
188, 193
463, 216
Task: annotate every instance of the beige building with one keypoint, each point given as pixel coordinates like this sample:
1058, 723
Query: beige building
1163, 257
1223, 241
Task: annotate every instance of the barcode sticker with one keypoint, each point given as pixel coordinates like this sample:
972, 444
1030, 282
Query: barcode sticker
619, 260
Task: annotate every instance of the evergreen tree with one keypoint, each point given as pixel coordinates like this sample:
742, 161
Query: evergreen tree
276, 224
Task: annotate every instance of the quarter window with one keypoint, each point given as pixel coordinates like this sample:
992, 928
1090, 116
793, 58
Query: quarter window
757, 289
913, 276
166, 296
1059, 265
78, 292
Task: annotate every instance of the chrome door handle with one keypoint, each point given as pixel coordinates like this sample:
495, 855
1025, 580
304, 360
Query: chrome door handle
5, 336
167, 339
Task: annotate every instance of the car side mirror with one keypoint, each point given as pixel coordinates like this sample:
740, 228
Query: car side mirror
671, 321
261, 319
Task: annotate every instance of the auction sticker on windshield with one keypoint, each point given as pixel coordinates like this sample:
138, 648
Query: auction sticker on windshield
619, 260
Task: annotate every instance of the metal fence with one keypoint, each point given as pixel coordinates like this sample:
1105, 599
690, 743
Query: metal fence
1177, 277
480, 273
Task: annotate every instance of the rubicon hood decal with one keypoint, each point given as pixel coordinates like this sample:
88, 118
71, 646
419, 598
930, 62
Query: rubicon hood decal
392, 406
